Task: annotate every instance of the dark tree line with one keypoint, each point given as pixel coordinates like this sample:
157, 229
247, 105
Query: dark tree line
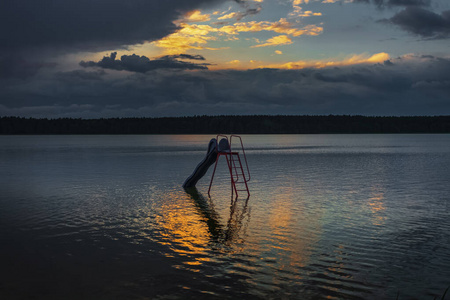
256, 124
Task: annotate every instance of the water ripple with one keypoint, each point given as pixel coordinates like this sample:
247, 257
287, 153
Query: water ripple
327, 219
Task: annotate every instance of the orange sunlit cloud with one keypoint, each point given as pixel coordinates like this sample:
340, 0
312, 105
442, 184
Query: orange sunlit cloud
197, 36
309, 13
275, 41
228, 16
353, 60
378, 58
194, 16
281, 26
188, 37
298, 11
234, 62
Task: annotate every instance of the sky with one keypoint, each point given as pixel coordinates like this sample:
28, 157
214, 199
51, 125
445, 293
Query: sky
155, 58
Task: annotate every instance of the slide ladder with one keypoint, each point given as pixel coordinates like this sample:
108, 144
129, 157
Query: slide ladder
238, 174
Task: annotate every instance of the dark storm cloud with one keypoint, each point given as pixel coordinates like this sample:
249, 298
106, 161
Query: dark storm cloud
250, 9
415, 18
80, 75
390, 3
402, 86
409, 2
33, 32
87, 25
142, 64
16, 66
184, 56
423, 22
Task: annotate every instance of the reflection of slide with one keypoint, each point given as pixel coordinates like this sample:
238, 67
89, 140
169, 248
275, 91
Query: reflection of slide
203, 166
231, 234
211, 217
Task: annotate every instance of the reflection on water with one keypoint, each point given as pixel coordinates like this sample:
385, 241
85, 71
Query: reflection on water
238, 220
191, 227
329, 217
377, 207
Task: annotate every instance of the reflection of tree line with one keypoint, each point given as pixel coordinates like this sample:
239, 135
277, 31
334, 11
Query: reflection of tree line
226, 235
228, 124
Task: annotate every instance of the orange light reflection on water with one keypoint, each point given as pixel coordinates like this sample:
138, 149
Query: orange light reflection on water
377, 207
189, 138
192, 229
286, 214
183, 230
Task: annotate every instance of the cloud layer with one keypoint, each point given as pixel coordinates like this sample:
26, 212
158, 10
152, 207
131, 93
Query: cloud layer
410, 85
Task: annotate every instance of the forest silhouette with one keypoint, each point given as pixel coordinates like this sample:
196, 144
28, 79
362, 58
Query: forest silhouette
249, 124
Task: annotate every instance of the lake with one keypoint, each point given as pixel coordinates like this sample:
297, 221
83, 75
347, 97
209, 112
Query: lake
329, 217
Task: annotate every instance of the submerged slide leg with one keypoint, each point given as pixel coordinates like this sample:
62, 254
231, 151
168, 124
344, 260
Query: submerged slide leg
212, 177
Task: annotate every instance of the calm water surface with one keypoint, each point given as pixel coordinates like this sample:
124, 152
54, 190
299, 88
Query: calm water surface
329, 217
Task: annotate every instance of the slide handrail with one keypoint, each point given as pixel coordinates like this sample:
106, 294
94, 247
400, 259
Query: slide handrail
243, 152
234, 162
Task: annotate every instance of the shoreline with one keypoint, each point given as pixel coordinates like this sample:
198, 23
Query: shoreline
248, 124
